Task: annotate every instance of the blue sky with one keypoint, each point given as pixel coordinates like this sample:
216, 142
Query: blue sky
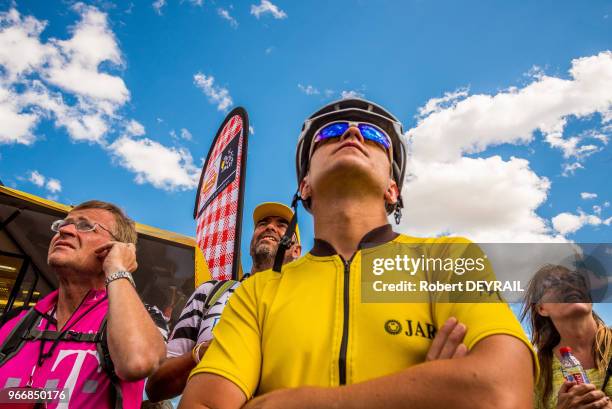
507, 105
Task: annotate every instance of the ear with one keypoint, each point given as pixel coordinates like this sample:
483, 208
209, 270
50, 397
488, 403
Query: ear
392, 193
305, 189
541, 310
296, 251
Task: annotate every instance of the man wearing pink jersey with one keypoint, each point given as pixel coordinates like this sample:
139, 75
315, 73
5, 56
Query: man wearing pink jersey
92, 338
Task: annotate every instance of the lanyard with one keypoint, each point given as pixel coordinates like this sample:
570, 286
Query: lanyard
42, 356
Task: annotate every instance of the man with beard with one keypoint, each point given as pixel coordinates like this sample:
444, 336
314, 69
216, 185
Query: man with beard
193, 332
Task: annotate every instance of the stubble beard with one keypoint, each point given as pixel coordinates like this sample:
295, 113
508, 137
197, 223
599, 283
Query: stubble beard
263, 256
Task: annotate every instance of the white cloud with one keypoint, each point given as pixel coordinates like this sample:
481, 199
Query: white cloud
35, 75
489, 199
512, 116
16, 126
84, 121
267, 7
164, 167
135, 128
587, 195
571, 146
329, 93
485, 199
597, 210
50, 184
70, 82
269, 50
439, 104
216, 94
53, 185
74, 67
21, 51
570, 168
351, 94
601, 137
226, 16
158, 5
185, 134
568, 223
251, 129
308, 89
37, 178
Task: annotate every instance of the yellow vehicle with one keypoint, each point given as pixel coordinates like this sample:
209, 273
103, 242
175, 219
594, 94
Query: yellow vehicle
169, 264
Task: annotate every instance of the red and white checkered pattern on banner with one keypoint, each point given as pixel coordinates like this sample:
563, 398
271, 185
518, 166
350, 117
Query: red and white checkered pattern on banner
216, 226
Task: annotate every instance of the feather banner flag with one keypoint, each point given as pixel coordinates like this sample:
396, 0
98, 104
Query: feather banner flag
220, 197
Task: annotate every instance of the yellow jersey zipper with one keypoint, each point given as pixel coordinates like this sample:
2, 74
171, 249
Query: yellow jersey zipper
345, 322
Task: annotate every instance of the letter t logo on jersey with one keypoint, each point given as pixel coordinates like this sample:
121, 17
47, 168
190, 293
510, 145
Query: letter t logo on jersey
76, 369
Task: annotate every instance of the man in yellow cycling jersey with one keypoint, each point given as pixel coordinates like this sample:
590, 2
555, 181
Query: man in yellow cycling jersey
305, 339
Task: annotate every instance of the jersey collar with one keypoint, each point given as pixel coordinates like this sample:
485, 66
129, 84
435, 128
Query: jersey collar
47, 303
375, 237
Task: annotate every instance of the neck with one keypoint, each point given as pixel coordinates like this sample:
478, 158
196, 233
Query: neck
71, 293
577, 333
343, 222
261, 262
258, 268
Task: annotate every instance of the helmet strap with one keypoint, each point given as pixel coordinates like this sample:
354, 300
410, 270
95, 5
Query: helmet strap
287, 238
397, 212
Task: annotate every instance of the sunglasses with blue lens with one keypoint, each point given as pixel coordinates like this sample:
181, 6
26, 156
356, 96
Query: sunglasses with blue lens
369, 132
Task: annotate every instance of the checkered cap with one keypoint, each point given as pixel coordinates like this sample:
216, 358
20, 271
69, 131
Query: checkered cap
217, 224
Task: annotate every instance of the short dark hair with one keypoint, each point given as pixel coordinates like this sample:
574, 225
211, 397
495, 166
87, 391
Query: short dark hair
125, 227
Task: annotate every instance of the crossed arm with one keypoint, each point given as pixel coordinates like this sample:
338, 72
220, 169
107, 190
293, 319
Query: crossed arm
496, 373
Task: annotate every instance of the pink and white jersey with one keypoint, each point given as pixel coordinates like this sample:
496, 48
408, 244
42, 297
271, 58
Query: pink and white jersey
74, 366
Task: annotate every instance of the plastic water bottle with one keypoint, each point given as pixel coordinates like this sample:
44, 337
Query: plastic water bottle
571, 367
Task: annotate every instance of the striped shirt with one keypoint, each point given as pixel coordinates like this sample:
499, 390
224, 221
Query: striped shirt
196, 324
159, 319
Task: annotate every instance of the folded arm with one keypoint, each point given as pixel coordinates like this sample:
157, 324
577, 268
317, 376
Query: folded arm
497, 373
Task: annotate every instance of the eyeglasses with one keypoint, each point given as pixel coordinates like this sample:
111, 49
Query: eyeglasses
79, 225
336, 129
